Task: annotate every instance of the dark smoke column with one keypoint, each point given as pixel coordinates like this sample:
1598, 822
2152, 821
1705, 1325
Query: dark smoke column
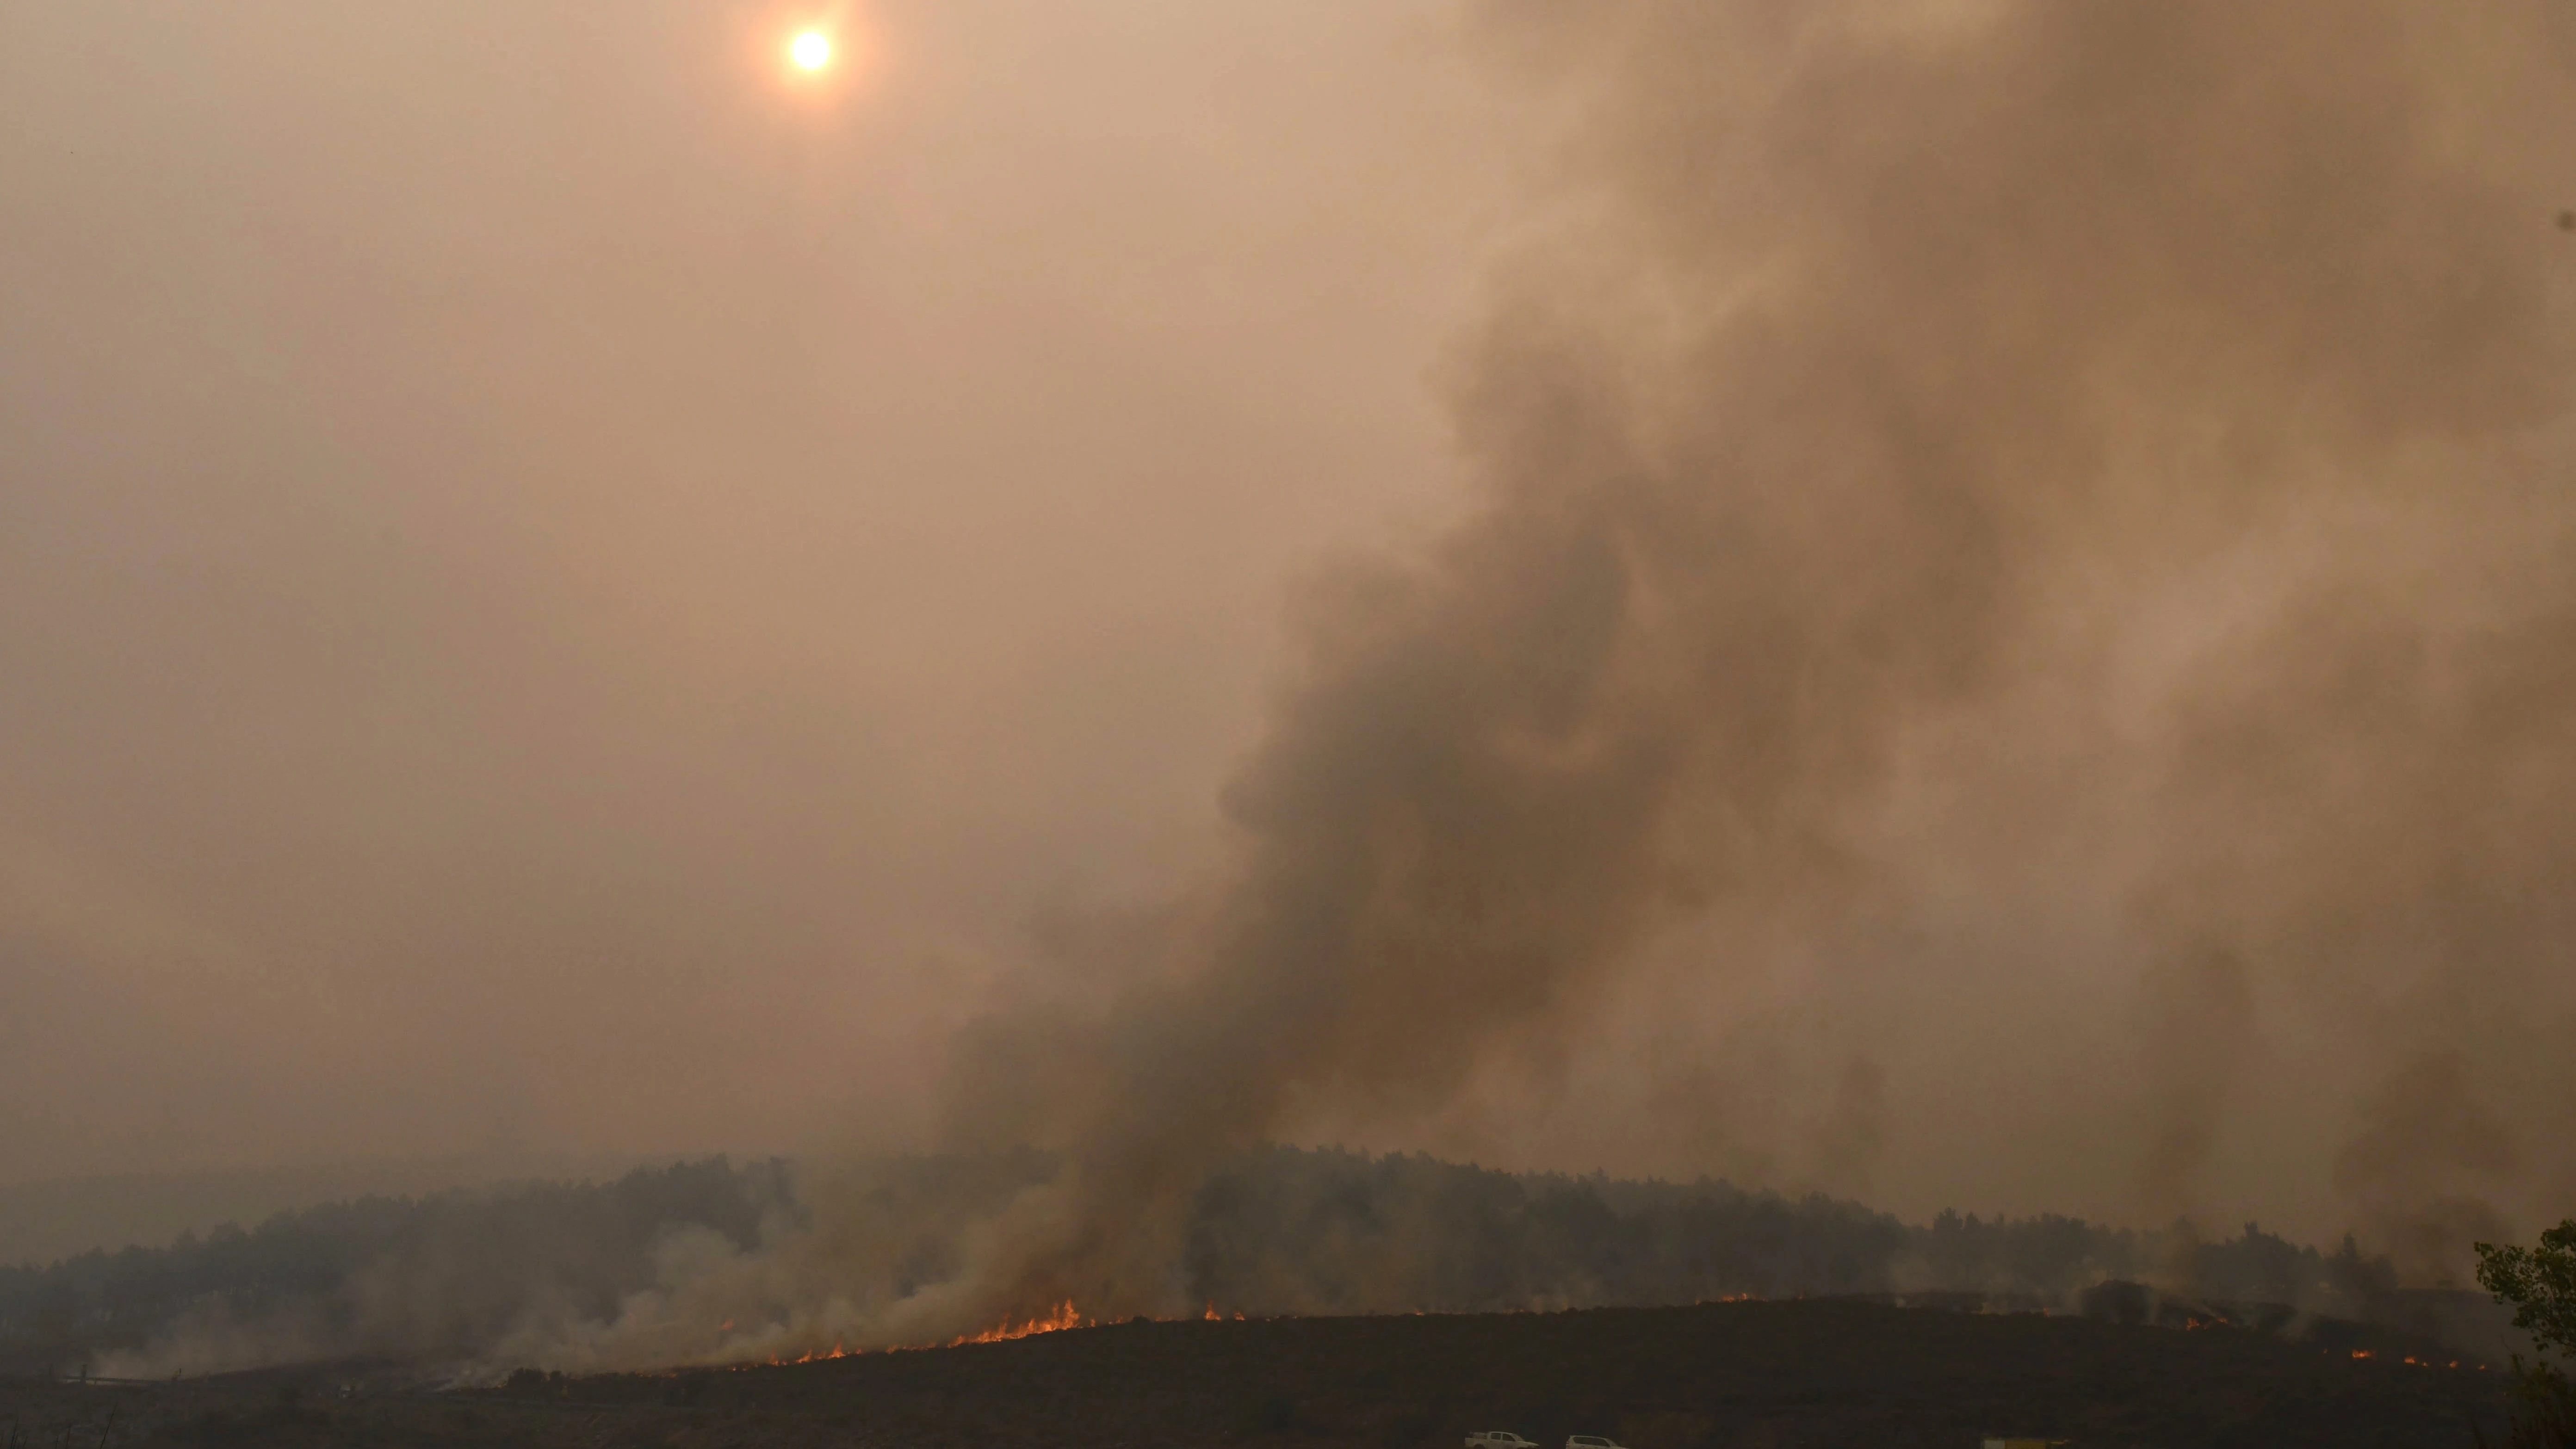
2196, 367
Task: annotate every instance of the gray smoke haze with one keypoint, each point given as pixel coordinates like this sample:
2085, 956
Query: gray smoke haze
563, 597
2013, 642
1991, 460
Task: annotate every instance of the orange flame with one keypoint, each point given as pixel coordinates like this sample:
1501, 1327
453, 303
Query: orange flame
1062, 1318
2361, 1353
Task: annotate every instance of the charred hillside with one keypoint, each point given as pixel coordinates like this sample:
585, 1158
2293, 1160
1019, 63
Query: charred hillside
1716, 1376
1778, 1374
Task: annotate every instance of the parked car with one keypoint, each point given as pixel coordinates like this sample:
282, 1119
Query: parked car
1591, 1441
1498, 1439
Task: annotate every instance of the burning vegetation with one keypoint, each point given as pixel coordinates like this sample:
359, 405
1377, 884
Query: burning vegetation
1958, 491
1279, 1232
1794, 1375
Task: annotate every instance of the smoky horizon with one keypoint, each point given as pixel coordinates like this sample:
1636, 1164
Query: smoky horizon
1963, 604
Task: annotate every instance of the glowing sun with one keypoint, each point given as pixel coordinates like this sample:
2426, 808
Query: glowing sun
811, 50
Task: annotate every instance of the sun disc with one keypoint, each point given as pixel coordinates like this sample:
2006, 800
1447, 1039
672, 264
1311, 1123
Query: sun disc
811, 50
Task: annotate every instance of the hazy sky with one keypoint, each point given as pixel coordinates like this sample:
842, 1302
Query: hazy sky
558, 590
564, 591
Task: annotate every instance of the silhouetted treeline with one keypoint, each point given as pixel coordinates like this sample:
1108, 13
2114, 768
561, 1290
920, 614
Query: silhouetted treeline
1328, 1231
1282, 1230
445, 1274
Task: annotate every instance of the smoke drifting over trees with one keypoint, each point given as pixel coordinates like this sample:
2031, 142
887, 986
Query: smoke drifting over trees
1959, 466
528, 1277
2037, 528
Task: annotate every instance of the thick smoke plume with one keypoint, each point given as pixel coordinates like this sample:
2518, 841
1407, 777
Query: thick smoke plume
2110, 454
2096, 465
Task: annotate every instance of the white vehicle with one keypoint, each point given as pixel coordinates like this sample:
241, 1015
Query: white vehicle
1591, 1441
1498, 1439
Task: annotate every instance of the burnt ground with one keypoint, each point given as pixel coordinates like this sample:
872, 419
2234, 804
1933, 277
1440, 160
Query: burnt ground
1750, 1375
